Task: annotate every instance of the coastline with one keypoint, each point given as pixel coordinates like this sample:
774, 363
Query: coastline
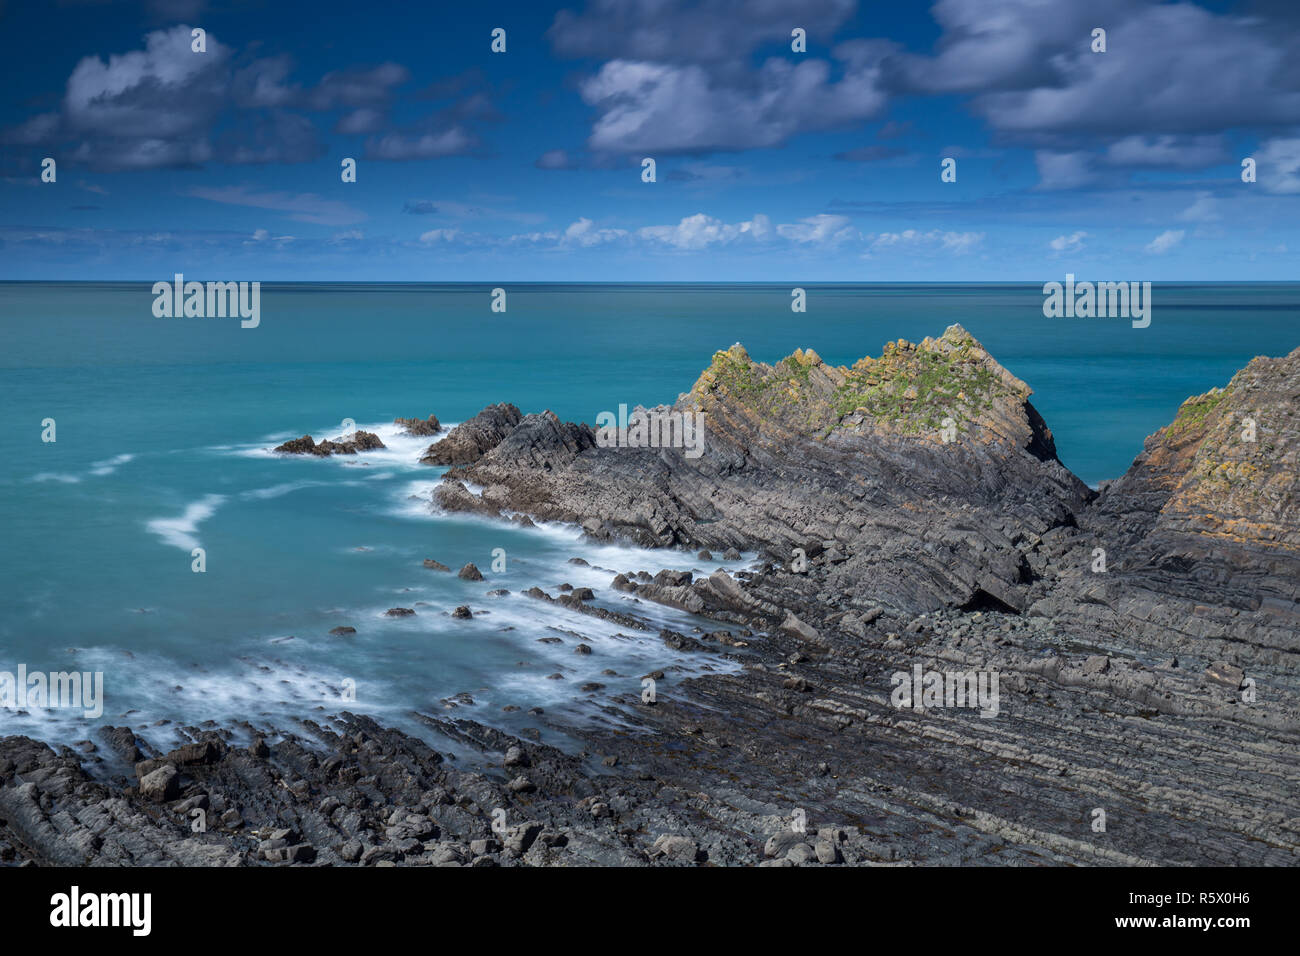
976, 554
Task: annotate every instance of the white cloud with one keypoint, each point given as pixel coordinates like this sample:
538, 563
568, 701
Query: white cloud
1185, 152
700, 230
1278, 165
439, 235
1205, 209
1070, 243
263, 235
1165, 241
361, 121
1063, 170
1168, 68
819, 228
123, 96
670, 108
395, 146
303, 207
957, 243
582, 233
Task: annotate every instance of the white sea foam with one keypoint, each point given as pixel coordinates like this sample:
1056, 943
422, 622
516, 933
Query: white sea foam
98, 469
110, 465
402, 452
275, 491
180, 531
143, 688
413, 663
414, 500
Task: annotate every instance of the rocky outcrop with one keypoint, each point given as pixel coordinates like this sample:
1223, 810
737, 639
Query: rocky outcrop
358, 441
419, 427
468, 441
1152, 686
923, 495
1196, 549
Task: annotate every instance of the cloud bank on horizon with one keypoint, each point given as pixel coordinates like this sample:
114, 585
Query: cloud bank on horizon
809, 140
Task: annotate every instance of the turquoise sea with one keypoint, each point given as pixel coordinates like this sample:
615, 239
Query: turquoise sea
164, 428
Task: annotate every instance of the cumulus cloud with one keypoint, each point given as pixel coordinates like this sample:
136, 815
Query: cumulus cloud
678, 76
1187, 152
361, 121
439, 235
1031, 69
1278, 165
985, 48
1165, 241
584, 233
822, 228
1027, 66
1070, 243
671, 108
141, 93
358, 87
1174, 77
445, 132
1204, 209
157, 107
164, 106
701, 230
1064, 170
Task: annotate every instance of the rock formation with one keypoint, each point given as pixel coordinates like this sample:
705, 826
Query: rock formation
911, 519
419, 427
468, 440
359, 441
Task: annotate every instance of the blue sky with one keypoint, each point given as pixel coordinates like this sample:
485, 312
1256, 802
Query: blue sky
771, 164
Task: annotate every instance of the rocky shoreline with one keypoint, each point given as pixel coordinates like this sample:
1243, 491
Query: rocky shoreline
913, 518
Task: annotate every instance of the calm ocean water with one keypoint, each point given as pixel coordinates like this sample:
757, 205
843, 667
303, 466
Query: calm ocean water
163, 427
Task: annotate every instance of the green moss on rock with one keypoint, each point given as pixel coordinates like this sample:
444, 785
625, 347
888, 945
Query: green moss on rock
1196, 411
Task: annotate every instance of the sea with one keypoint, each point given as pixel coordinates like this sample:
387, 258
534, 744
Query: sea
163, 430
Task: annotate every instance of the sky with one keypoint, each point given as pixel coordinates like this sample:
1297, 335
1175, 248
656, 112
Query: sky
771, 163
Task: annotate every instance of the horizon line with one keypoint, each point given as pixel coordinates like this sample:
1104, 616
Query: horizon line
646, 282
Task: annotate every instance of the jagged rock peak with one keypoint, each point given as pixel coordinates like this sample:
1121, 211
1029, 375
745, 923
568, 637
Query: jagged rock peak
1228, 465
910, 390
